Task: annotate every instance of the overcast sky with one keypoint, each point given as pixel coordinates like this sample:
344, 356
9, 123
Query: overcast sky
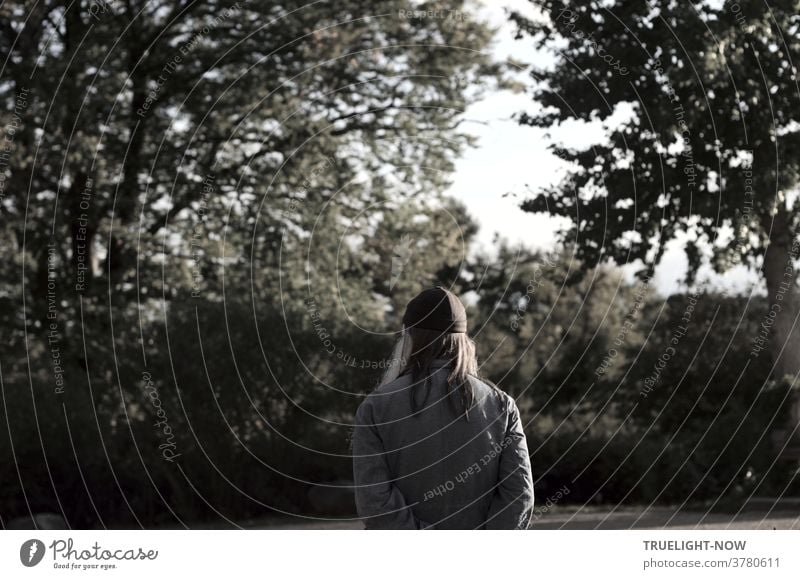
512, 159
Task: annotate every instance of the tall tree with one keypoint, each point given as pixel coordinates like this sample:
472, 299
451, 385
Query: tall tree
712, 141
177, 177
141, 119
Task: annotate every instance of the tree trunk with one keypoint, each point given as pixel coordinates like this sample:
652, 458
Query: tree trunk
784, 306
784, 301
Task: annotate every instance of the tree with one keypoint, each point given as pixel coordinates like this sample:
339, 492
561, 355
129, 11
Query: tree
544, 332
704, 409
712, 141
170, 165
140, 117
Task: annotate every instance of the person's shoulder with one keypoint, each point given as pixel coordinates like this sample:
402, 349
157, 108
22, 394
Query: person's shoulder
487, 390
397, 385
383, 391
382, 396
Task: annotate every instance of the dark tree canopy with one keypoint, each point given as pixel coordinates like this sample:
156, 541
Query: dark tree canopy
198, 196
713, 140
142, 119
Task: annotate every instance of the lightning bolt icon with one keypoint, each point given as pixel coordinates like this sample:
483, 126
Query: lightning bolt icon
34, 548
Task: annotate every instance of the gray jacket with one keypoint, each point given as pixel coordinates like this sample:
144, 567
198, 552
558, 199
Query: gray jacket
435, 469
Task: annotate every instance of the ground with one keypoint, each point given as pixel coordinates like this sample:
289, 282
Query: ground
784, 518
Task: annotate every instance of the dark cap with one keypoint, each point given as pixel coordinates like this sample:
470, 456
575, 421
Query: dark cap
436, 309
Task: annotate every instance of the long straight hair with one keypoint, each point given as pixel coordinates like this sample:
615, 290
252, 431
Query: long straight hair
414, 354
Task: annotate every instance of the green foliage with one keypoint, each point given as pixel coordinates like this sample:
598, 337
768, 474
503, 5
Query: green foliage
708, 88
709, 143
213, 218
687, 421
200, 211
681, 413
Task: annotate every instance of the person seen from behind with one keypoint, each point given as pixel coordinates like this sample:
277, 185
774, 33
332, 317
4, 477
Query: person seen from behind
435, 446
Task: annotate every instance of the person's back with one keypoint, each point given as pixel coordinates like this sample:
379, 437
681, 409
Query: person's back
431, 451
